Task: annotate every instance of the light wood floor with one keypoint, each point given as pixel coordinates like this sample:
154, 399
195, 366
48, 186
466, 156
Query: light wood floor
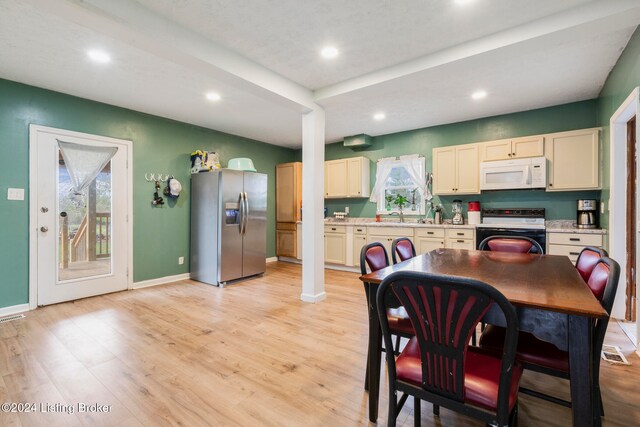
251, 354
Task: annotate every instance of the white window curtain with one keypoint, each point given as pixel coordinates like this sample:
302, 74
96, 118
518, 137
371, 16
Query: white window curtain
84, 162
413, 166
383, 169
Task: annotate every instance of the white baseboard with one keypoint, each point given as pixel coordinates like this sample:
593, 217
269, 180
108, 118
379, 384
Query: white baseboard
291, 260
272, 259
160, 281
14, 309
342, 268
313, 298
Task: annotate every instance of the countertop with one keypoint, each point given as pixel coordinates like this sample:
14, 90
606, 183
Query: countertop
552, 226
569, 226
370, 222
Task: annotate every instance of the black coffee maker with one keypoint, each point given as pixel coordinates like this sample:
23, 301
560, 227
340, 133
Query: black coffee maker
587, 213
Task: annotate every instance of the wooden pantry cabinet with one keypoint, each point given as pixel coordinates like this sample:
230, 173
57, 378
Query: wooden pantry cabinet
288, 208
344, 178
286, 239
456, 169
288, 192
574, 159
516, 148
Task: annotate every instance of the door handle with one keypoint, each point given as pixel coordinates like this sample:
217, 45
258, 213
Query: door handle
245, 217
242, 214
44, 229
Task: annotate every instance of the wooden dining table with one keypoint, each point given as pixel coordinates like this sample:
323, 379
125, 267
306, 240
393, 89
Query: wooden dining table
552, 300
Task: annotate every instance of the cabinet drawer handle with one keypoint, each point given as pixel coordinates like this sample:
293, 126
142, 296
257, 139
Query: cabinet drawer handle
358, 229
429, 232
333, 229
574, 253
460, 241
574, 239
460, 234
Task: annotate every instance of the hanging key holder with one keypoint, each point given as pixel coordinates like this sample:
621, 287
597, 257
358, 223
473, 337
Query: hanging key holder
157, 200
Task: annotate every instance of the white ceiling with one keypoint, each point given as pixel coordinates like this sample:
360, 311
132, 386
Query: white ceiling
416, 60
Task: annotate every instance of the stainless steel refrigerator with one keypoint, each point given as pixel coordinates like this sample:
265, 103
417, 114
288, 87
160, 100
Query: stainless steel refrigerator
228, 225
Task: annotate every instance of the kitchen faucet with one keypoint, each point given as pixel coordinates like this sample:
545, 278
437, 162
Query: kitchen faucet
400, 215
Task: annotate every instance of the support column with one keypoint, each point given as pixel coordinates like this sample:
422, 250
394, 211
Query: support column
313, 206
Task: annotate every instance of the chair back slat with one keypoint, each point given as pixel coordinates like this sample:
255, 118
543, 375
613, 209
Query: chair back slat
444, 314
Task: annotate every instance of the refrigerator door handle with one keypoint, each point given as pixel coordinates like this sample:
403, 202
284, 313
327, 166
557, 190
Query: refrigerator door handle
245, 214
242, 214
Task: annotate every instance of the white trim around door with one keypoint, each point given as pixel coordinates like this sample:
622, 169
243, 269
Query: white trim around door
34, 130
618, 192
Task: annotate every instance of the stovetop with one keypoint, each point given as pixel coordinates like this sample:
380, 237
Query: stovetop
520, 218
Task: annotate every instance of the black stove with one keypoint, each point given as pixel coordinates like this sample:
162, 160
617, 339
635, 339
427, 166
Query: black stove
527, 222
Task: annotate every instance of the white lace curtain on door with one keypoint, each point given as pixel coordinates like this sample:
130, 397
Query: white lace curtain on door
84, 162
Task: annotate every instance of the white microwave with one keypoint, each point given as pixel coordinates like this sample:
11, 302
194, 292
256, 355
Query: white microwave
514, 174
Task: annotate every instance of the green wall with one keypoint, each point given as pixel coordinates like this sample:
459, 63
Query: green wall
624, 77
562, 205
160, 235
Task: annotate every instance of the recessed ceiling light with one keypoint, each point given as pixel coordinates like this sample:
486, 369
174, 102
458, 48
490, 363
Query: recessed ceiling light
379, 116
329, 52
463, 2
479, 94
99, 56
212, 96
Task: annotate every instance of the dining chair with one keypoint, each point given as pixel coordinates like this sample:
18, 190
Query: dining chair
516, 244
541, 356
438, 365
374, 256
402, 249
587, 260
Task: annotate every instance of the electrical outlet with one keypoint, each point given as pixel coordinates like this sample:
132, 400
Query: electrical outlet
181, 260
15, 194
346, 210
602, 208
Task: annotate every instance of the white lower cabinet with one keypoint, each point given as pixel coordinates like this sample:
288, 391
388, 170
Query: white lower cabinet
386, 236
335, 244
460, 238
571, 244
428, 239
343, 244
359, 240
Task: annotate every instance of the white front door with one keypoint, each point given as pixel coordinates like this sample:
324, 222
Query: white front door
82, 238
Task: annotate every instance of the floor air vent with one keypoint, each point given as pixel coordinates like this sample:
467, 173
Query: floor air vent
612, 354
10, 318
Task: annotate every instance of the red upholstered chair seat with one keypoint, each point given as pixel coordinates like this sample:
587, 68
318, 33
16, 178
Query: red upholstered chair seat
509, 245
399, 321
531, 350
482, 375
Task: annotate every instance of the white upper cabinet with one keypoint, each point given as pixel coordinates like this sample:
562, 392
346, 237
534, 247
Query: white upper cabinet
573, 160
347, 178
456, 169
516, 148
